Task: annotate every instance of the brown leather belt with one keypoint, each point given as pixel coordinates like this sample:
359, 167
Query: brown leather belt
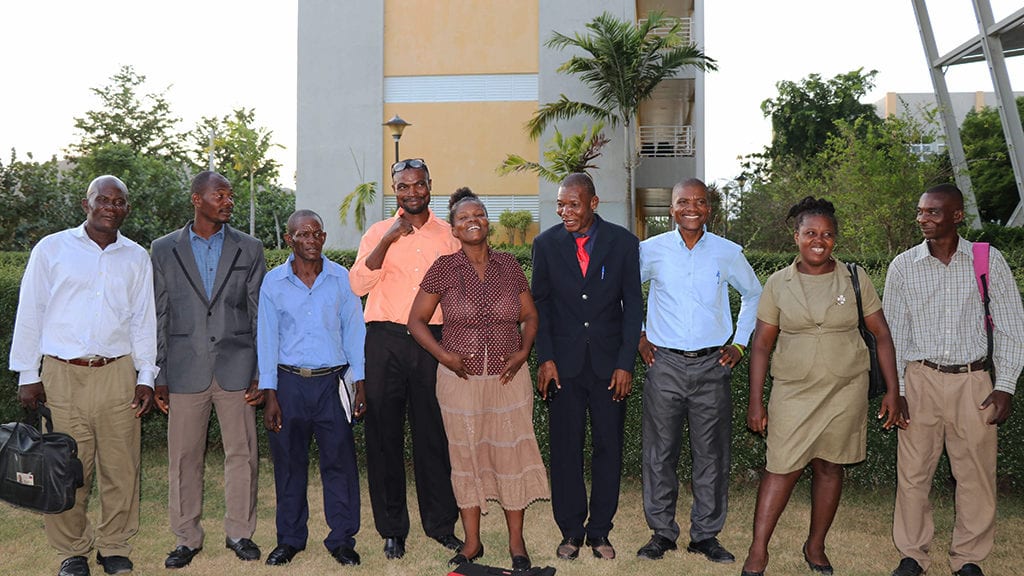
88, 361
311, 372
976, 366
693, 353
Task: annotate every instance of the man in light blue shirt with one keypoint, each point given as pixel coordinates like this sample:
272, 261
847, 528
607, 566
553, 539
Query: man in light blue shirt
310, 330
690, 349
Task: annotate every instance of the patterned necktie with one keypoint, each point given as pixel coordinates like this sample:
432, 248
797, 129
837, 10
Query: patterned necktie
581, 254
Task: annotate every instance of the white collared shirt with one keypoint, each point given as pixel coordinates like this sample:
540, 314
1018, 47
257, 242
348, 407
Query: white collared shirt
78, 300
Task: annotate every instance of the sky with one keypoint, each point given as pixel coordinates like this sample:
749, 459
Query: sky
213, 56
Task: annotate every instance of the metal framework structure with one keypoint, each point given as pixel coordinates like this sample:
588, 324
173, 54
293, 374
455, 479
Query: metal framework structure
993, 44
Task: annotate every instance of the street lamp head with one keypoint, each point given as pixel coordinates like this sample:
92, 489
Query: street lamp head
742, 180
397, 125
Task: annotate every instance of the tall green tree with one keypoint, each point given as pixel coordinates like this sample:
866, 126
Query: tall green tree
241, 153
248, 146
132, 135
563, 155
988, 161
143, 123
874, 179
867, 169
621, 63
804, 114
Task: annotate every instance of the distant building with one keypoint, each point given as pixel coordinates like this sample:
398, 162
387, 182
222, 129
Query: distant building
921, 106
468, 75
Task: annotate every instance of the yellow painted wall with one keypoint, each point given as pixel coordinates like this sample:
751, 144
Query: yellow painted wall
428, 38
463, 143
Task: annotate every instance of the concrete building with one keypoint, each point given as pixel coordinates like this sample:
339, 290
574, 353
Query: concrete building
922, 107
468, 75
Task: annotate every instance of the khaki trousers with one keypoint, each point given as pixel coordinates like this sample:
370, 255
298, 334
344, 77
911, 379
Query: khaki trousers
93, 405
187, 421
944, 413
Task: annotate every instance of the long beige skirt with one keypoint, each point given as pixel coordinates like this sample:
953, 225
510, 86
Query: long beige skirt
491, 442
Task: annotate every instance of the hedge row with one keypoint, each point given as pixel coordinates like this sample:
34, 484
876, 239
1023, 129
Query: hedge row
748, 449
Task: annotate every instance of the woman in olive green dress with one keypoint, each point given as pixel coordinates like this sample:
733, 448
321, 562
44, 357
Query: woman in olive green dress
817, 413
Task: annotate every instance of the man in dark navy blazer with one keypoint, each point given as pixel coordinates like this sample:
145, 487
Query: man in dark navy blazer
586, 283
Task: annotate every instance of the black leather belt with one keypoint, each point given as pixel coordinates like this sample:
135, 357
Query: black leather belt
396, 328
692, 353
976, 366
88, 361
311, 372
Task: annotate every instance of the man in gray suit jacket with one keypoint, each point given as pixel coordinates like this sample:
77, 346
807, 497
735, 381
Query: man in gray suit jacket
207, 277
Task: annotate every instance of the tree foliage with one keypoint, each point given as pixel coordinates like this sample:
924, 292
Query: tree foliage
621, 63
804, 114
131, 135
515, 221
867, 169
33, 202
988, 161
241, 153
563, 155
142, 123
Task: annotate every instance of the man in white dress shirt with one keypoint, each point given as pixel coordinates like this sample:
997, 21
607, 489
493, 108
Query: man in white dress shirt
85, 343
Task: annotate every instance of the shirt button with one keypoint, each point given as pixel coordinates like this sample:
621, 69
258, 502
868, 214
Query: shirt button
213, 338
584, 296
586, 324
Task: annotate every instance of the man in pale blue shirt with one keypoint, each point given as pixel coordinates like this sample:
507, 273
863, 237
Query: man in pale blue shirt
310, 330
690, 348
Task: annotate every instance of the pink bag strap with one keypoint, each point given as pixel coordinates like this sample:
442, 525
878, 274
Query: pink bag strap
981, 265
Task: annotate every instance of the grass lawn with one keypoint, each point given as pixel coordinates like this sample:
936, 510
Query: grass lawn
859, 543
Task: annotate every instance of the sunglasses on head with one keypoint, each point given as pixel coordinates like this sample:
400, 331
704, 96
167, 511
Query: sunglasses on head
415, 163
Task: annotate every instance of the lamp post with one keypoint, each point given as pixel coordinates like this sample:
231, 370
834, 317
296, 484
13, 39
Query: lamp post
397, 126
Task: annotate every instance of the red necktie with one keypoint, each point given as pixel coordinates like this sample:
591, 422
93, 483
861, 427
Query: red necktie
581, 254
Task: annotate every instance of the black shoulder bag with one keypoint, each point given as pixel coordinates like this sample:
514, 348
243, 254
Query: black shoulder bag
38, 471
876, 384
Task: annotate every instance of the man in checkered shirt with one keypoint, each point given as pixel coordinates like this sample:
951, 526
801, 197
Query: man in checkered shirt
948, 396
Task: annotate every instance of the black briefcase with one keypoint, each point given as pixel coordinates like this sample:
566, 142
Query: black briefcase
39, 472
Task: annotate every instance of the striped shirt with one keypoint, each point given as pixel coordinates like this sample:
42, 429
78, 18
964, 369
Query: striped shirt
935, 312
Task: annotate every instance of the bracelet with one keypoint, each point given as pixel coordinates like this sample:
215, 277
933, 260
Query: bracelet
740, 347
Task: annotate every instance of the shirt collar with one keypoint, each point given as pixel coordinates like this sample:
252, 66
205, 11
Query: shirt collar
80, 233
192, 234
920, 252
329, 266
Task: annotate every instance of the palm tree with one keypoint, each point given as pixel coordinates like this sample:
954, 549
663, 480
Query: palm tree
623, 64
362, 196
563, 155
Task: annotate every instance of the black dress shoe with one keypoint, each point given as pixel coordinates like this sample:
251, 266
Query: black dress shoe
712, 550
114, 564
460, 558
602, 548
569, 549
908, 567
969, 569
394, 548
74, 566
282, 555
244, 548
346, 556
450, 541
656, 548
521, 563
819, 568
181, 556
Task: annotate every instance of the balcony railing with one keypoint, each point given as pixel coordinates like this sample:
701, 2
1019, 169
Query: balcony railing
685, 27
665, 141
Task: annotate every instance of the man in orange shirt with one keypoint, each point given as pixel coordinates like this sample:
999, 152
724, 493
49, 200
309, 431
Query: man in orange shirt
394, 254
